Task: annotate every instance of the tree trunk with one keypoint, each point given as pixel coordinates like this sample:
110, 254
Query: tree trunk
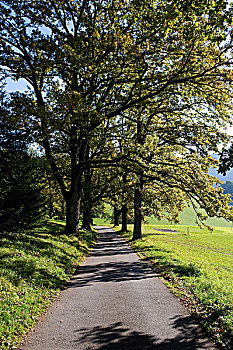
73, 199
137, 231
124, 211
50, 207
62, 208
73, 210
124, 208
87, 198
116, 213
87, 218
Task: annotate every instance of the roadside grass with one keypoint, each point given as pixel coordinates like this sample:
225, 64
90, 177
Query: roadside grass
198, 268
34, 267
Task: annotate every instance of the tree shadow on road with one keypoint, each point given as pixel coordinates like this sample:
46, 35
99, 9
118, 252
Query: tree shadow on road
117, 336
110, 272
110, 249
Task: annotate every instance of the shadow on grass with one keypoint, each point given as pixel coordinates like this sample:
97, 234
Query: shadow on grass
52, 228
164, 267
40, 258
28, 270
164, 264
33, 245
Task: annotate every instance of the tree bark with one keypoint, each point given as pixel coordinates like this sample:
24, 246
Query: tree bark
73, 200
87, 198
62, 208
50, 207
116, 213
73, 210
87, 219
124, 211
137, 231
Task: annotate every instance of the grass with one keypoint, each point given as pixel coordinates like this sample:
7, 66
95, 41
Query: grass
34, 267
102, 222
197, 267
188, 217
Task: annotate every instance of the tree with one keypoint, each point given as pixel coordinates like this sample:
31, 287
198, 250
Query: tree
88, 62
22, 203
173, 158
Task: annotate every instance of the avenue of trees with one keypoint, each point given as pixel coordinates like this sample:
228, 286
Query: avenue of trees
127, 99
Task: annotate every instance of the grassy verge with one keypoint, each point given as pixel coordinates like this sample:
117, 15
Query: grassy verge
197, 267
34, 267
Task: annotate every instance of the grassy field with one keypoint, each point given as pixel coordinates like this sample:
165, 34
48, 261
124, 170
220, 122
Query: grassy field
197, 267
187, 217
34, 267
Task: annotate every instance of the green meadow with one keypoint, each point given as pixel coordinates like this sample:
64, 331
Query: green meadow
188, 217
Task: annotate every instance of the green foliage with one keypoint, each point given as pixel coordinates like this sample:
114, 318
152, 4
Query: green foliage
55, 202
96, 70
198, 268
16, 131
33, 268
21, 200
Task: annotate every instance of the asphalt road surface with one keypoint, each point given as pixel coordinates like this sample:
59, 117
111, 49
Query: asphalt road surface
115, 301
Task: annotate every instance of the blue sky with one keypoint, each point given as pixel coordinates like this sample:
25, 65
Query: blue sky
19, 85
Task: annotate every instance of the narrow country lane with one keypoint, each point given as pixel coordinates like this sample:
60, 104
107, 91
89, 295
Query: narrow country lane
115, 301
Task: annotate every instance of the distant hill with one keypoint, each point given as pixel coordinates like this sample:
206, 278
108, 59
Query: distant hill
228, 177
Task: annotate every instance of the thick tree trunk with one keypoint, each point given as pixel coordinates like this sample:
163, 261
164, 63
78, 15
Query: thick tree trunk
73, 198
124, 208
124, 211
87, 219
87, 198
137, 231
62, 208
73, 211
50, 207
116, 213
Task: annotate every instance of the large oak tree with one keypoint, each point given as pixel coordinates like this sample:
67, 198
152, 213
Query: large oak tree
88, 62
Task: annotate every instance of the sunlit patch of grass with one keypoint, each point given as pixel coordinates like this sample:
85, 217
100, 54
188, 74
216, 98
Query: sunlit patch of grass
34, 267
197, 265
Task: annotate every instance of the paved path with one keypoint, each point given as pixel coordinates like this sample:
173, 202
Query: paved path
115, 301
